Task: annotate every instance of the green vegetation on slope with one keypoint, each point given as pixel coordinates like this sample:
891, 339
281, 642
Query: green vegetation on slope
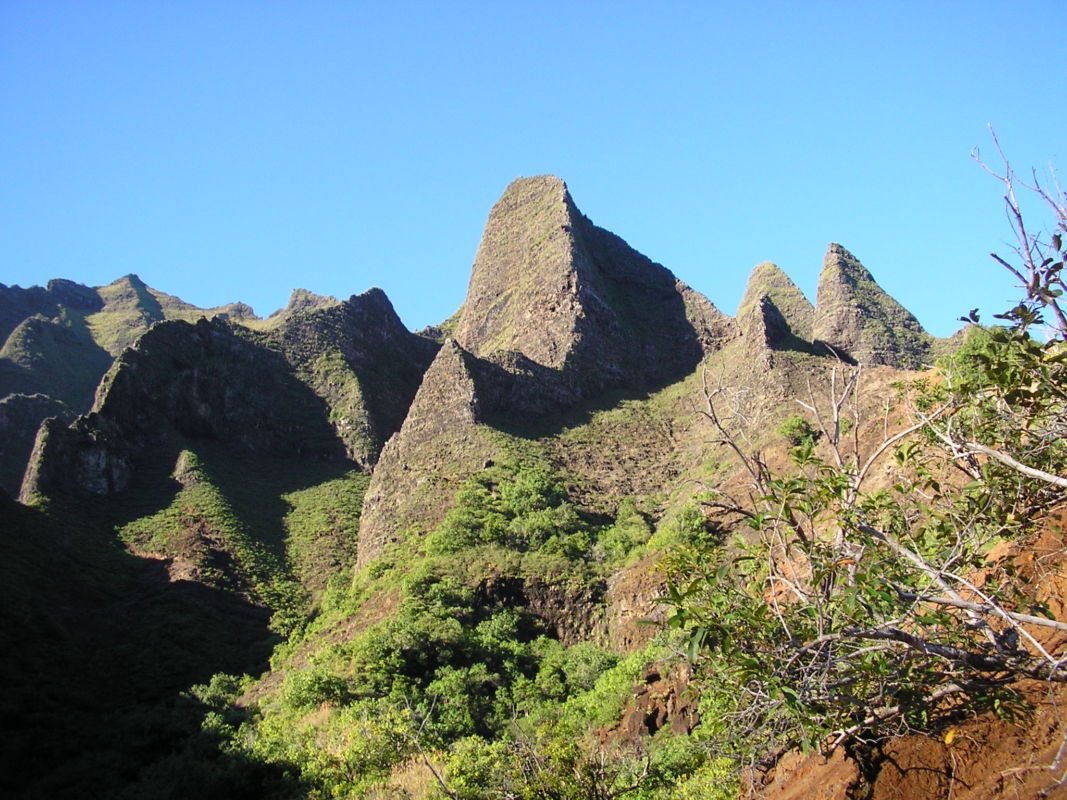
131, 307
53, 357
446, 661
240, 524
868, 599
332, 379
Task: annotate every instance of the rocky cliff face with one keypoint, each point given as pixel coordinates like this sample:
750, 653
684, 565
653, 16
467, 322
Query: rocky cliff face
557, 312
773, 315
572, 297
359, 358
859, 321
331, 381
58, 342
20, 417
181, 381
767, 280
421, 467
301, 300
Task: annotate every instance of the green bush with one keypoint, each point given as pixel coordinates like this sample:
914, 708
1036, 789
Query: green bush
630, 530
799, 432
313, 687
521, 508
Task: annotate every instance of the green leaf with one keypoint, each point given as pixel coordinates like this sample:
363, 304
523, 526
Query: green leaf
696, 640
1043, 610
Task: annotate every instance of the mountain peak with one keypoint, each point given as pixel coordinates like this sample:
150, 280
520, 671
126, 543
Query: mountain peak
303, 300
840, 264
570, 296
768, 280
858, 319
524, 270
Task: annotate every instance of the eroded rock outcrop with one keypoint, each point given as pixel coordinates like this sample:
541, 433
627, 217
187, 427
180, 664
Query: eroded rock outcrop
181, 382
557, 312
573, 297
359, 358
439, 445
857, 319
764, 330
330, 380
301, 300
20, 417
795, 310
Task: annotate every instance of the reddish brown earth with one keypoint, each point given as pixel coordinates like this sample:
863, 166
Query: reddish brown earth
979, 759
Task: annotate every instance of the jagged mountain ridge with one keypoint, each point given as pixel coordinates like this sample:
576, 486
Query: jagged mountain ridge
558, 312
57, 343
590, 364
330, 382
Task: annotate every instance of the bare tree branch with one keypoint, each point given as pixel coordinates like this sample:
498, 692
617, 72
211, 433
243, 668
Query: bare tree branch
984, 608
1018, 466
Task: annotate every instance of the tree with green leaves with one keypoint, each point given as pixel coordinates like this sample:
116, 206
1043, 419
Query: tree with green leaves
860, 600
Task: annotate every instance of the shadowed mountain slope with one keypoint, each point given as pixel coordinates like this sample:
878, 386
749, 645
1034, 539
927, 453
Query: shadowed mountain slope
20, 417
57, 358
558, 311
16, 303
570, 296
59, 341
767, 280
359, 358
179, 382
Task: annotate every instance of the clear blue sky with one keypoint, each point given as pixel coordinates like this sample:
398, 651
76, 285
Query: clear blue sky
232, 150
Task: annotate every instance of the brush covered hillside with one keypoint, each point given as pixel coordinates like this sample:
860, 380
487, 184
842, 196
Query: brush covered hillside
571, 543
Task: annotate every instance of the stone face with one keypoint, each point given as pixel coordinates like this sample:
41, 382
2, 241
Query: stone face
570, 296
524, 272
767, 280
773, 315
859, 321
421, 466
20, 417
359, 358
